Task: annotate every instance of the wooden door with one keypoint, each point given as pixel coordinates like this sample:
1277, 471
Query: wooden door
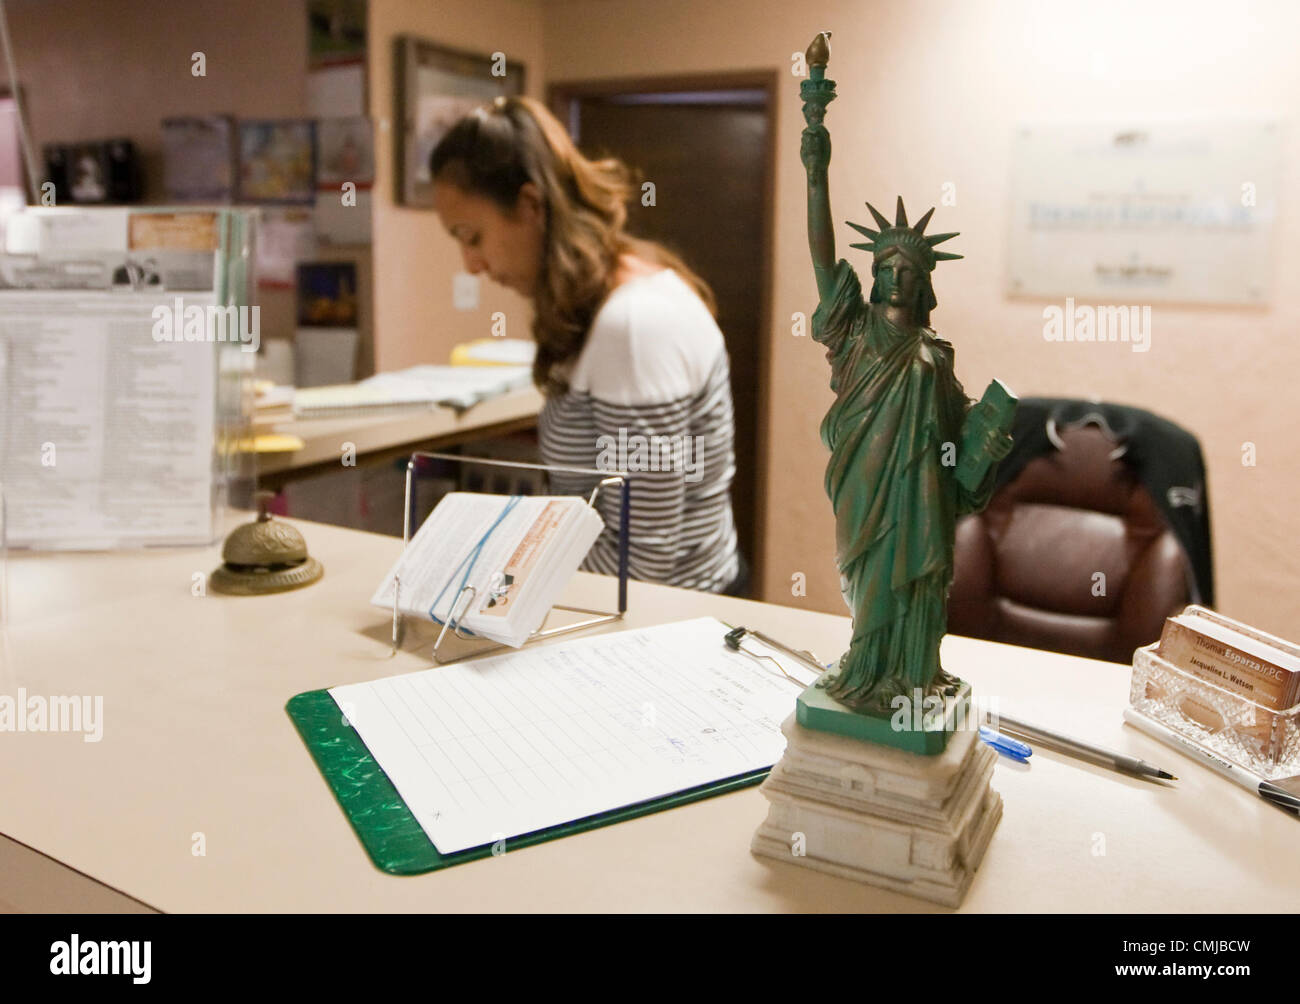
707, 148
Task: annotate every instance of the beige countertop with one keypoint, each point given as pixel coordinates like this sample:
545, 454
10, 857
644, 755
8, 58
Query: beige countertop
196, 741
323, 437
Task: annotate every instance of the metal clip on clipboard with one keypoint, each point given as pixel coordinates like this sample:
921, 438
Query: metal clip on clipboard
608, 479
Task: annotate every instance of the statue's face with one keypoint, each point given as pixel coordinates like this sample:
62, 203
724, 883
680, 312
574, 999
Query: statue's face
899, 282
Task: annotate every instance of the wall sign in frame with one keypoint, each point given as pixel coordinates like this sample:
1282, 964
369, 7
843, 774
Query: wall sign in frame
1139, 213
435, 86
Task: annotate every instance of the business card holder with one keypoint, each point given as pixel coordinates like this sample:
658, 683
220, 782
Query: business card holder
1259, 738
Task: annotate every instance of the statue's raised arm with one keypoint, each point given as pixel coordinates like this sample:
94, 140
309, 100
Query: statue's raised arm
815, 152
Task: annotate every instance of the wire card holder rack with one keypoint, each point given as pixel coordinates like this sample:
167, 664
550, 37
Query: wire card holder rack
607, 480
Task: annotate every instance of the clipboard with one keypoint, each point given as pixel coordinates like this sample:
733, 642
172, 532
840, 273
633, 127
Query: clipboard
391, 835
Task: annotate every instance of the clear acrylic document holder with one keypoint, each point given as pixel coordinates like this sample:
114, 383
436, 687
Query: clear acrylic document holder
226, 452
607, 480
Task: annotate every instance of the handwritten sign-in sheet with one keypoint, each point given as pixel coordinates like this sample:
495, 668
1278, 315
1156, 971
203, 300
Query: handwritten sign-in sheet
505, 745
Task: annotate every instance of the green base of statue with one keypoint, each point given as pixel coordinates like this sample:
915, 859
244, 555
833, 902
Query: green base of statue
915, 725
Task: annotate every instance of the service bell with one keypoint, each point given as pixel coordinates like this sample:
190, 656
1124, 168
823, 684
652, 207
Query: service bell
265, 556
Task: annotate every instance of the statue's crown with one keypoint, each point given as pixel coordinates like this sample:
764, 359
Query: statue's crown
910, 240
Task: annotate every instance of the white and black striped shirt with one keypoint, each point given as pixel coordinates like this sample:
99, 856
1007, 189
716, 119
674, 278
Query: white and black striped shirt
650, 393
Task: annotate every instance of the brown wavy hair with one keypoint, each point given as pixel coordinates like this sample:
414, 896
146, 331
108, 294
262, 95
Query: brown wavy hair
492, 152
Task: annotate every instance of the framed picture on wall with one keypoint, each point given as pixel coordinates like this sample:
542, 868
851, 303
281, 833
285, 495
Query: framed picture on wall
435, 86
345, 152
277, 161
199, 162
327, 294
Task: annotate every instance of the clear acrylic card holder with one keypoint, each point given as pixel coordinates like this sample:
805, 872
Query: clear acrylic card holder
1262, 739
605, 481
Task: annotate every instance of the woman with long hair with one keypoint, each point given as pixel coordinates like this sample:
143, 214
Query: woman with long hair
629, 357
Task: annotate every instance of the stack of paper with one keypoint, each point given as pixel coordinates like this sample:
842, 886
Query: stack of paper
272, 405
349, 399
413, 388
487, 750
517, 552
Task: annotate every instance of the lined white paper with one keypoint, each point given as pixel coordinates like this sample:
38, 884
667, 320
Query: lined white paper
501, 746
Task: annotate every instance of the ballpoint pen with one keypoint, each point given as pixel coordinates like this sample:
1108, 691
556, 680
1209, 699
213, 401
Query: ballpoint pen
1006, 745
1249, 780
1079, 748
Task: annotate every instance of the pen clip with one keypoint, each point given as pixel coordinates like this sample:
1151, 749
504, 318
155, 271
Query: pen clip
734, 640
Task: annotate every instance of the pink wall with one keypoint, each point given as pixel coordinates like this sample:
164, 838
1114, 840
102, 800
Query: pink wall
415, 259
94, 70
930, 92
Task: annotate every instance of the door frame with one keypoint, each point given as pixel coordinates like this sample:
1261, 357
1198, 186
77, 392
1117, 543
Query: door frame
559, 96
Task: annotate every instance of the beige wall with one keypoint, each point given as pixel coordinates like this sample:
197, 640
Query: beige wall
415, 259
96, 70
93, 70
930, 93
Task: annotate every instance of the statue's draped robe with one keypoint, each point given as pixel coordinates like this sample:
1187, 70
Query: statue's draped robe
896, 501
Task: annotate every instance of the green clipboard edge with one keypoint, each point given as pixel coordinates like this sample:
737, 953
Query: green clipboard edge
395, 841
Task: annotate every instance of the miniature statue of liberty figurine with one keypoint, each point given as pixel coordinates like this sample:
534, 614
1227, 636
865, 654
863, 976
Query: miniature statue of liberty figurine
909, 451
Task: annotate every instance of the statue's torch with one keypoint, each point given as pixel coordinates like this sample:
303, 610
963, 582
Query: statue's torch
817, 92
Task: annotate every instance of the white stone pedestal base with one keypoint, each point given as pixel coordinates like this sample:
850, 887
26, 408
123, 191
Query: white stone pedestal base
914, 824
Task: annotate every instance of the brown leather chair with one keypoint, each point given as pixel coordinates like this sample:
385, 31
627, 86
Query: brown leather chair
1072, 555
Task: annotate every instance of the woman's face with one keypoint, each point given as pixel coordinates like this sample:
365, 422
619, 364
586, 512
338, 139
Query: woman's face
507, 246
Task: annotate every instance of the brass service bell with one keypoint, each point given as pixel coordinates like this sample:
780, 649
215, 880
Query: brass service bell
264, 556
